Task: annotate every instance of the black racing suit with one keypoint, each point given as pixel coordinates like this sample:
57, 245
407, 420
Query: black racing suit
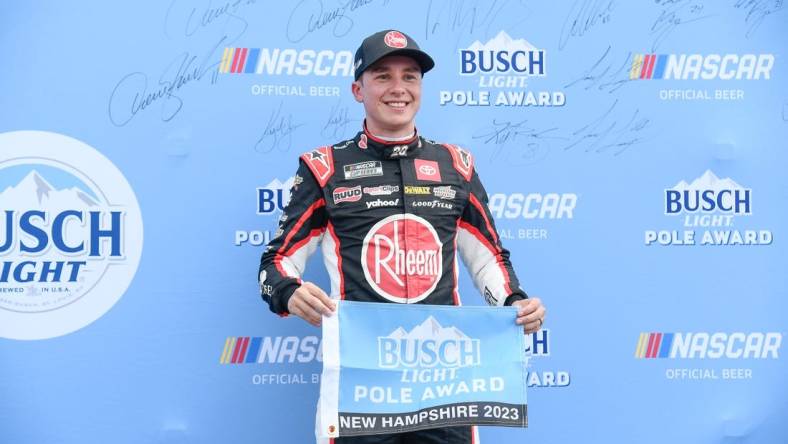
390, 218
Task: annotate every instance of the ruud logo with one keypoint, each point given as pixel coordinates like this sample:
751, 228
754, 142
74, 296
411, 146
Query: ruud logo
70, 235
388, 264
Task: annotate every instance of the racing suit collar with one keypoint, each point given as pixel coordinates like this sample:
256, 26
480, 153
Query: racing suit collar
388, 149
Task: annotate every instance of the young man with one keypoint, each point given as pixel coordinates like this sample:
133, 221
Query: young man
390, 209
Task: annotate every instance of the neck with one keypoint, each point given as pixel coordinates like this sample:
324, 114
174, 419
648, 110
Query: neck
391, 136
395, 139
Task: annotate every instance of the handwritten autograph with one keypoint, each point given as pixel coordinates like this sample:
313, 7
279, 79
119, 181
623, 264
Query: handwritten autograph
184, 17
310, 16
516, 143
675, 13
757, 11
605, 132
131, 95
278, 132
584, 15
338, 120
469, 17
603, 76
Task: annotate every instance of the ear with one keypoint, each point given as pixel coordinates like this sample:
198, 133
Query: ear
355, 88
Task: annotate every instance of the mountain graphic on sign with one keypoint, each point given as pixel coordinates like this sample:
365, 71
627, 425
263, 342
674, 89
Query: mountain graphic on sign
429, 329
35, 192
708, 181
276, 183
502, 42
285, 186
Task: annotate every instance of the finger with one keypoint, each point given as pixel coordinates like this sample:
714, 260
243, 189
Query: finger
527, 306
532, 327
322, 302
534, 316
304, 310
319, 305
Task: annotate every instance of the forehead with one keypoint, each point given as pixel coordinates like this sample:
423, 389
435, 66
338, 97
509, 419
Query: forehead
395, 62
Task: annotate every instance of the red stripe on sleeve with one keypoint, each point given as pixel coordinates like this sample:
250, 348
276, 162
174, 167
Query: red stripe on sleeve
304, 217
486, 242
475, 202
339, 261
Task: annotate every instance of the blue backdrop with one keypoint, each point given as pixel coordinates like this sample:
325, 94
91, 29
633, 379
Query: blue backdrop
594, 169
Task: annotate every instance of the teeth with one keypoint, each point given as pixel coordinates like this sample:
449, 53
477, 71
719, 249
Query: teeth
397, 104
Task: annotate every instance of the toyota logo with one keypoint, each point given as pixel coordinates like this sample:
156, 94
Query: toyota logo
428, 170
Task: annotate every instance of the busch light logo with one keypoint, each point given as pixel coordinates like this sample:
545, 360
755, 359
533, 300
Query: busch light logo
710, 203
388, 264
274, 196
428, 345
537, 343
70, 235
502, 55
708, 194
502, 68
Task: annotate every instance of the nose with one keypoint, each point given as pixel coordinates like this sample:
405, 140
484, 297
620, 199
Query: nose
397, 86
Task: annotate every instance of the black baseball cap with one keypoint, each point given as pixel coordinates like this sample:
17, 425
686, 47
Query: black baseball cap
386, 43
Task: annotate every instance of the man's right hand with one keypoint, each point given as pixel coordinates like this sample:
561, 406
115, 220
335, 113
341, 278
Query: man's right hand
309, 302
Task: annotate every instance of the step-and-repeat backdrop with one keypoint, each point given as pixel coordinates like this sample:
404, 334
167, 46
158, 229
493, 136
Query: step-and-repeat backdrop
634, 154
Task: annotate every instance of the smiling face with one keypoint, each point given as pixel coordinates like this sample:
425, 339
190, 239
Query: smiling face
391, 93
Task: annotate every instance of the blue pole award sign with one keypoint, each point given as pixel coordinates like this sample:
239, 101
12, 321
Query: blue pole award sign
390, 368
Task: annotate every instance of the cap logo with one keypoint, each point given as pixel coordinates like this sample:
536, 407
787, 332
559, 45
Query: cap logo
395, 39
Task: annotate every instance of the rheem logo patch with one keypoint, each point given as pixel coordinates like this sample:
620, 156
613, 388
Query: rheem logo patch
402, 258
395, 39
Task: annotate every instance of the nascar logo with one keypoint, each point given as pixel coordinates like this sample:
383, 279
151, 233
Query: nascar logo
709, 346
697, 66
286, 61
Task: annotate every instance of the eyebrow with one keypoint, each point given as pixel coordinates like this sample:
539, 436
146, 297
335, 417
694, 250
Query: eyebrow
384, 68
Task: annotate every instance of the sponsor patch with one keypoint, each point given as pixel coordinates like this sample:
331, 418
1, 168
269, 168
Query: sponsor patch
388, 266
363, 169
410, 189
395, 39
382, 203
427, 170
444, 192
432, 204
381, 190
347, 194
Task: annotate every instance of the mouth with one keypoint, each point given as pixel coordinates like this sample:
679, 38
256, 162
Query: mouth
397, 104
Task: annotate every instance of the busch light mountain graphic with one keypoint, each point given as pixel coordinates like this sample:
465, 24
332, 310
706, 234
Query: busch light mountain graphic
274, 196
428, 345
708, 193
70, 234
708, 208
502, 42
61, 239
502, 69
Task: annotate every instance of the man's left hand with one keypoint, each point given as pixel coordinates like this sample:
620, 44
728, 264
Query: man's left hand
530, 314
